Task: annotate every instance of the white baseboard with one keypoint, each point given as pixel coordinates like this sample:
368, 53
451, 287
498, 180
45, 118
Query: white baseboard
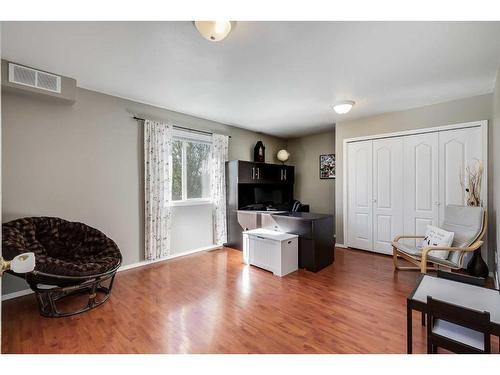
147, 262
341, 245
143, 263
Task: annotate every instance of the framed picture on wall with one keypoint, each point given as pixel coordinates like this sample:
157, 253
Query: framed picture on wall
327, 166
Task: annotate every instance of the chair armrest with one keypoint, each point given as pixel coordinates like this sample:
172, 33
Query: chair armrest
476, 245
399, 236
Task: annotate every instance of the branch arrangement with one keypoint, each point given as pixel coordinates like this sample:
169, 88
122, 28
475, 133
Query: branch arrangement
472, 183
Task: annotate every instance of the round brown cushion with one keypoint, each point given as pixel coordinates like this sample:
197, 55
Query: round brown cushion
61, 247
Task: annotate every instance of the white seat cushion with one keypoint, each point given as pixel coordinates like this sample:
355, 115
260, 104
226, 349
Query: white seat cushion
408, 249
416, 252
458, 333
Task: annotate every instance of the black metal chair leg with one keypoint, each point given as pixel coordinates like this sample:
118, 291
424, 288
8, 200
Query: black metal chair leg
93, 295
47, 298
52, 304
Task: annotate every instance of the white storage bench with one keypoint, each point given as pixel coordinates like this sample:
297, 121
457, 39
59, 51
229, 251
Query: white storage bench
273, 251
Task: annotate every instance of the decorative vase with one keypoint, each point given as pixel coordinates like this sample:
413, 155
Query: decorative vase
259, 152
477, 267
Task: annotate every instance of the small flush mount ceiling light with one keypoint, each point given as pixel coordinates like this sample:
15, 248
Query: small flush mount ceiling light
343, 107
214, 31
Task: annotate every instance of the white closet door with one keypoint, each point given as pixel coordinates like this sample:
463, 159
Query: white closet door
359, 195
387, 192
457, 149
421, 186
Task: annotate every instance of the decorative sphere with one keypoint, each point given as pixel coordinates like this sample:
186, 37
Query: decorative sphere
283, 155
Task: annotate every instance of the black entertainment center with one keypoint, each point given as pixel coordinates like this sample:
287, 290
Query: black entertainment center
261, 195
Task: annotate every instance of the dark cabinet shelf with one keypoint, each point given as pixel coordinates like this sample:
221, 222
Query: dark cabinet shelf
252, 173
255, 184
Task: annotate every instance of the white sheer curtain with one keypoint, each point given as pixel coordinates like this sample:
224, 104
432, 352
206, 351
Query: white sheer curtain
219, 156
157, 188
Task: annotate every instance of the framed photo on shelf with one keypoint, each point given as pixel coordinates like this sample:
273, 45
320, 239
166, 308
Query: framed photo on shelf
327, 166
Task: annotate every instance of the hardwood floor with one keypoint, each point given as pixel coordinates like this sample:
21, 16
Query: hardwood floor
212, 303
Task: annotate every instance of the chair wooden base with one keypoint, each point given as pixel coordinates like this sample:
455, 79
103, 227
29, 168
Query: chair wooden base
47, 298
417, 263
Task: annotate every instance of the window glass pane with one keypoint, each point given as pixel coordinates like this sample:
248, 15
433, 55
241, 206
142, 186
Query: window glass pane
177, 170
197, 177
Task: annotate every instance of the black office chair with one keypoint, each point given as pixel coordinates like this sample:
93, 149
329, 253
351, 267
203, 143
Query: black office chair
297, 206
457, 329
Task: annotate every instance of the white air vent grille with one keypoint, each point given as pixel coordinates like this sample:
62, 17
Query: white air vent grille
34, 78
48, 82
23, 76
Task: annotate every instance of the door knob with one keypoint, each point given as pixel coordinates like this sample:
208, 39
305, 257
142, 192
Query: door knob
23, 263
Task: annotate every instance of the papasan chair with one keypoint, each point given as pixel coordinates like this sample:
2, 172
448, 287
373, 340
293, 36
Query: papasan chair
71, 258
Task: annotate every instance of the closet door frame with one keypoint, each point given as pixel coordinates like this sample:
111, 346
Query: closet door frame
483, 124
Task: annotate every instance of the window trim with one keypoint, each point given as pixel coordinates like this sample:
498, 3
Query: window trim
191, 202
184, 171
184, 137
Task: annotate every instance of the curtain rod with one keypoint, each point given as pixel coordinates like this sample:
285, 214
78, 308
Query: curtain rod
180, 127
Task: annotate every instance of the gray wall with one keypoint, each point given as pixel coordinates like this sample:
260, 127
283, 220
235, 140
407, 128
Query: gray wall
457, 111
495, 170
84, 162
309, 188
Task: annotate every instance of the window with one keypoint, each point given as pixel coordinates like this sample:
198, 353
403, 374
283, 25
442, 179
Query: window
190, 167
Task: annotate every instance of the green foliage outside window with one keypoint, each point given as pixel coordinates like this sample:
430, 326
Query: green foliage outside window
194, 165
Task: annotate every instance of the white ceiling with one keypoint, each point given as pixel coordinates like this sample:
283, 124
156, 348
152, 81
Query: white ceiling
280, 78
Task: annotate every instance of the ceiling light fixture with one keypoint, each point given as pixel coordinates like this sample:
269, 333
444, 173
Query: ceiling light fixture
343, 107
214, 31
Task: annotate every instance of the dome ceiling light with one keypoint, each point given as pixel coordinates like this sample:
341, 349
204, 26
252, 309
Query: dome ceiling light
214, 31
343, 107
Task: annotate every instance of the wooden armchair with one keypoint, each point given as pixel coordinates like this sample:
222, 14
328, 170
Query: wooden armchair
469, 225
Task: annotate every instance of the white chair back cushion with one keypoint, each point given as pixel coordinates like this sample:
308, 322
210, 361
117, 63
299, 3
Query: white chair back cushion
466, 222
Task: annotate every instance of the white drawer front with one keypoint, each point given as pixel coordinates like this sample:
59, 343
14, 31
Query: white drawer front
278, 257
261, 252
